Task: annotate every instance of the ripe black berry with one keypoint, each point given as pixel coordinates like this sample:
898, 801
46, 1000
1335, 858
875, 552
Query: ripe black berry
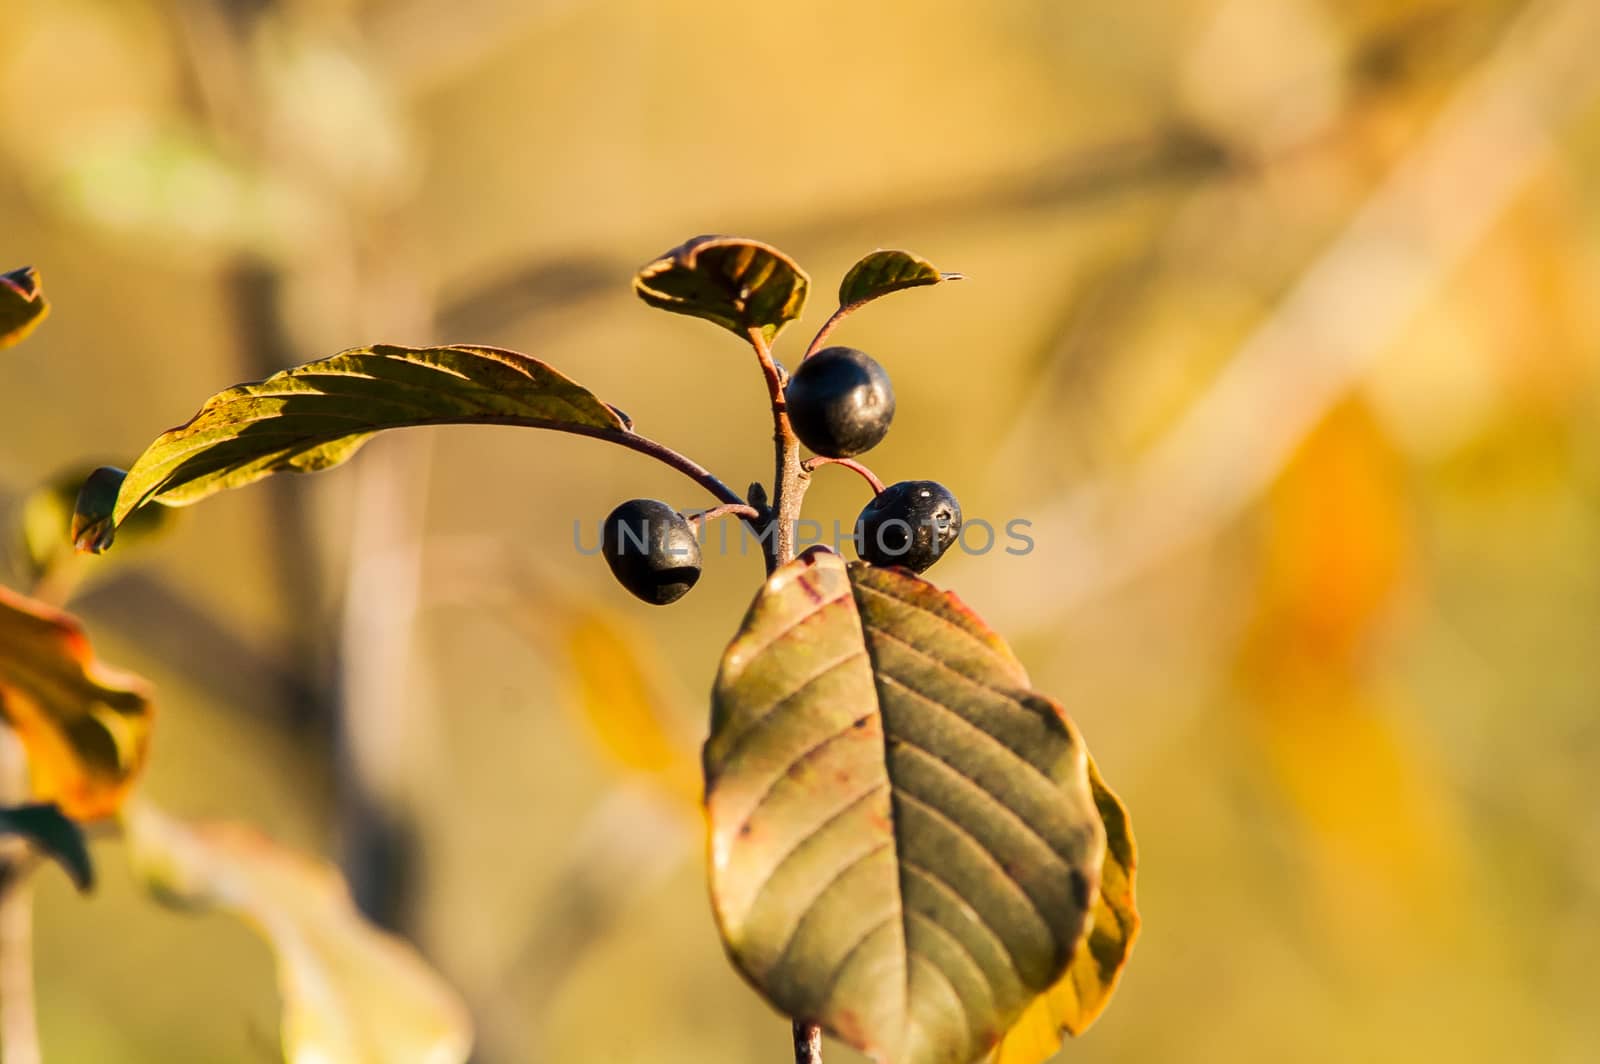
911, 524
652, 550
840, 402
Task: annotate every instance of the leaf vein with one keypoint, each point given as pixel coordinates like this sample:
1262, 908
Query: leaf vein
962, 832
830, 819
754, 724
972, 785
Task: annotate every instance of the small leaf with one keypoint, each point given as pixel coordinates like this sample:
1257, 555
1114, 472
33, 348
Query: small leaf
739, 284
49, 829
1083, 993
316, 415
352, 994
905, 844
22, 304
85, 726
883, 272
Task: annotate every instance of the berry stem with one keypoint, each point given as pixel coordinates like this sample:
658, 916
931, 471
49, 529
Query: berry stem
789, 482
849, 463
743, 511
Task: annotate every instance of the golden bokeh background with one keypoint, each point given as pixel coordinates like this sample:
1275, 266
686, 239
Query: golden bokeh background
1279, 327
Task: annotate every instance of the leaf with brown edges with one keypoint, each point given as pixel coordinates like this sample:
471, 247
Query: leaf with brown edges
1082, 994
84, 725
742, 285
904, 840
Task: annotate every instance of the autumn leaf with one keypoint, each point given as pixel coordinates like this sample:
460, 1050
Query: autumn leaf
352, 994
85, 726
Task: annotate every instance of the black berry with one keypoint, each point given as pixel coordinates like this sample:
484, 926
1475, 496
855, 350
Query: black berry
840, 402
910, 524
652, 550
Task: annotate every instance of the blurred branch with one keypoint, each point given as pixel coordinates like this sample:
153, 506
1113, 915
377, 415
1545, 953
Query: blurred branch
214, 68
422, 46
383, 735
376, 726
1492, 136
19, 1024
1103, 305
1078, 178
255, 291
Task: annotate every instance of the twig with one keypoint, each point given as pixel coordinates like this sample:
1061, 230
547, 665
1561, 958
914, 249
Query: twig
19, 1026
807, 1043
789, 489
1081, 176
256, 289
789, 486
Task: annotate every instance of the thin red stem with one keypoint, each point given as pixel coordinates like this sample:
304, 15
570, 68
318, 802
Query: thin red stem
735, 509
849, 463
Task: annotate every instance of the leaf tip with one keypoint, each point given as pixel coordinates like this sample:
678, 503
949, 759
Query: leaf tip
22, 304
94, 523
24, 280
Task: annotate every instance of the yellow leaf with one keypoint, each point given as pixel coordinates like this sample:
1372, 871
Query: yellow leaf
623, 700
1382, 822
1084, 991
1338, 537
85, 726
352, 994
1337, 540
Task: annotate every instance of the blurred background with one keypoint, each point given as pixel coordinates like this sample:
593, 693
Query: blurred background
1279, 327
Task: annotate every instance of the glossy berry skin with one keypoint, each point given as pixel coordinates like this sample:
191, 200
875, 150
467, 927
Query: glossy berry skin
652, 550
840, 402
909, 524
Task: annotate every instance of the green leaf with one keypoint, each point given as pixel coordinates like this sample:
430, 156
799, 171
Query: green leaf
905, 845
22, 304
84, 725
49, 829
352, 994
1083, 993
316, 415
883, 272
742, 285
